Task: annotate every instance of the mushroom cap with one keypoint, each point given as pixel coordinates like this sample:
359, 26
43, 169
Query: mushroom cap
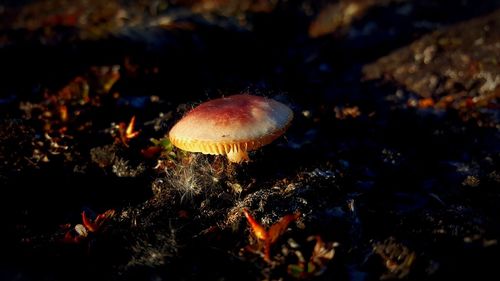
231, 125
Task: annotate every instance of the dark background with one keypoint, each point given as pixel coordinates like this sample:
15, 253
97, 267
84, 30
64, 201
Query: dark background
393, 152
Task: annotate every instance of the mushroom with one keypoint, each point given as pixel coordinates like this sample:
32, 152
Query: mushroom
231, 126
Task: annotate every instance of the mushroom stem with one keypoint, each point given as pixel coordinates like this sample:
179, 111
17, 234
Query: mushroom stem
237, 155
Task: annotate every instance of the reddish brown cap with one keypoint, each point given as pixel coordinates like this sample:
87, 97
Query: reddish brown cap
231, 126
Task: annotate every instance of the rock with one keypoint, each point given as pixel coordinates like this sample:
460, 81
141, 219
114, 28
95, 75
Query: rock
457, 66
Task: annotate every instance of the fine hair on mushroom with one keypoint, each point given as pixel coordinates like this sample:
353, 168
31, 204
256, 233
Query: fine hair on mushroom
192, 178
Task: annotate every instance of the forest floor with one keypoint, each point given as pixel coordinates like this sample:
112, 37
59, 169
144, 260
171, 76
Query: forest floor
390, 169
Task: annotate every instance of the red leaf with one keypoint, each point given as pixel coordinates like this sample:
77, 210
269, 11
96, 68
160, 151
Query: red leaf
269, 237
89, 225
130, 132
277, 229
258, 230
93, 226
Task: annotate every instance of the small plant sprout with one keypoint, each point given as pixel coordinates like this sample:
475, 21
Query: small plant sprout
81, 231
266, 238
96, 224
231, 126
127, 132
163, 150
321, 255
159, 147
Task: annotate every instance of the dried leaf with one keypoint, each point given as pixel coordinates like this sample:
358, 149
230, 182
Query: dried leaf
322, 254
317, 264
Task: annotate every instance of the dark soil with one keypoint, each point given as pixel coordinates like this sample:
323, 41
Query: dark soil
390, 169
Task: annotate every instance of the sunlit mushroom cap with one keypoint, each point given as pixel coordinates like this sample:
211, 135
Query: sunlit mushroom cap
231, 126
